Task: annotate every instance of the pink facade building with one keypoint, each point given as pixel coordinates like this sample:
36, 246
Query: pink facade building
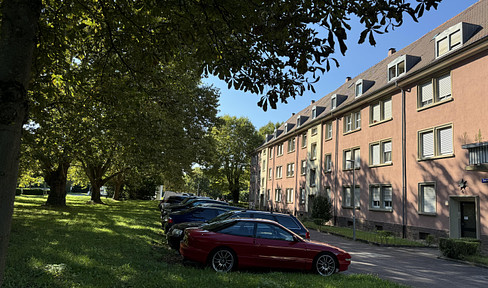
413, 131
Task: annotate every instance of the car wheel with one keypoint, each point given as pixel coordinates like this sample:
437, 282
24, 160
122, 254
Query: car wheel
223, 260
325, 264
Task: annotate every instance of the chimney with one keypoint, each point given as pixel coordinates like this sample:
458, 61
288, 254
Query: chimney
313, 101
348, 79
293, 114
391, 51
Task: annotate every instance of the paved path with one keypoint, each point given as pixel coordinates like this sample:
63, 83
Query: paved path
416, 267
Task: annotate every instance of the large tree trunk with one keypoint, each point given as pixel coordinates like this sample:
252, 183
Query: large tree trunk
95, 193
119, 183
57, 182
17, 34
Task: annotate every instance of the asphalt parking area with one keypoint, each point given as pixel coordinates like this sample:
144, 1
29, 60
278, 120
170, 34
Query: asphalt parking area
416, 267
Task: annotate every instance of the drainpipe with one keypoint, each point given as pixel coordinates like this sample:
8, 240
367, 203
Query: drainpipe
404, 166
336, 170
297, 150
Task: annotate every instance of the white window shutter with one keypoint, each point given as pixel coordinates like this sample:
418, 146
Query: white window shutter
357, 158
387, 109
429, 199
427, 144
376, 113
442, 46
427, 93
444, 86
375, 153
445, 141
387, 151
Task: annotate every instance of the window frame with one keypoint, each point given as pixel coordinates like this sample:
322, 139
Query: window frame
382, 116
278, 196
382, 207
313, 172
291, 145
396, 64
328, 131
352, 119
270, 173
357, 203
434, 82
328, 164
304, 140
436, 142
279, 172
290, 169
357, 164
421, 198
382, 161
303, 168
289, 195
313, 151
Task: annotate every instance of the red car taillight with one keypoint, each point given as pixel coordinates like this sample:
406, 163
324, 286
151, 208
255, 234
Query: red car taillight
170, 220
307, 235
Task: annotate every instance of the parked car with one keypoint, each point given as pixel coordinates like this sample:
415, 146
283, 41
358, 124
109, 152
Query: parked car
198, 213
176, 232
172, 200
189, 204
245, 242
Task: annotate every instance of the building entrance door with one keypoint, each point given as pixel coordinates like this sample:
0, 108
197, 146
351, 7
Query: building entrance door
468, 219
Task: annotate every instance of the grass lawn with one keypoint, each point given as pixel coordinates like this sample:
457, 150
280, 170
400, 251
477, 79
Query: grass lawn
121, 244
367, 236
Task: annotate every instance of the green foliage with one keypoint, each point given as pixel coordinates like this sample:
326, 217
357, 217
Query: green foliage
120, 245
268, 129
430, 240
322, 208
459, 248
18, 192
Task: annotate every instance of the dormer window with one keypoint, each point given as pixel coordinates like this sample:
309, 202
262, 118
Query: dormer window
275, 133
314, 112
286, 128
362, 86
453, 38
298, 122
333, 102
401, 65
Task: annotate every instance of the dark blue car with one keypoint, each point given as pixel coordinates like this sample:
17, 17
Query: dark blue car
200, 214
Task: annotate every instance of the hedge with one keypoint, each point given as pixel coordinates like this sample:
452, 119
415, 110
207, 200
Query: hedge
33, 191
457, 248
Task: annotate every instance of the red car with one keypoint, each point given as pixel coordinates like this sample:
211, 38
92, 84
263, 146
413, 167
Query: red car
244, 242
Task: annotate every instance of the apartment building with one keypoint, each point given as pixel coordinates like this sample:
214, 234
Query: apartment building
412, 131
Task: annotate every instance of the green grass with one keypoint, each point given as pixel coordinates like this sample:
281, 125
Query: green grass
479, 259
121, 245
370, 237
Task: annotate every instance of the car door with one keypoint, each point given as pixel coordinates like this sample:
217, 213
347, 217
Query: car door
203, 214
276, 247
239, 237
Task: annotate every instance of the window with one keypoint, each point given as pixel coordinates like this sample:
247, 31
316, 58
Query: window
328, 131
240, 228
352, 154
298, 122
272, 232
427, 198
359, 89
302, 195
278, 195
279, 149
314, 112
328, 163
314, 131
381, 197
380, 111
328, 192
396, 68
279, 171
434, 91
380, 153
453, 38
264, 152
313, 151
333, 102
290, 170
271, 153
478, 154
264, 165
303, 170
268, 194
289, 195
291, 145
304, 140
348, 197
312, 177
435, 142
270, 174
352, 121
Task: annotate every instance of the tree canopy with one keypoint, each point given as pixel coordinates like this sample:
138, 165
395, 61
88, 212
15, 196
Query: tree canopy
273, 48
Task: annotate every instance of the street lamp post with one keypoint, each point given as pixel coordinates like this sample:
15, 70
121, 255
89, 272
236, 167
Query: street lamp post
353, 196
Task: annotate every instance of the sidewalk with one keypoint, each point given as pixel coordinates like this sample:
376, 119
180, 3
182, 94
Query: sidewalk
415, 267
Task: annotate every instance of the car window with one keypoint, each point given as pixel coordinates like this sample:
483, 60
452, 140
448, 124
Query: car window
264, 216
205, 213
270, 231
288, 222
240, 228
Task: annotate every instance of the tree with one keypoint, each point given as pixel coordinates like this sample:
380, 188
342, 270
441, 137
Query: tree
235, 140
253, 46
268, 129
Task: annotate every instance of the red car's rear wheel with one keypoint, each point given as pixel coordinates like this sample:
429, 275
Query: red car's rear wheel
223, 260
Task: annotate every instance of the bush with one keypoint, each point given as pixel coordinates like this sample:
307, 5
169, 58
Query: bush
18, 192
458, 248
33, 191
321, 209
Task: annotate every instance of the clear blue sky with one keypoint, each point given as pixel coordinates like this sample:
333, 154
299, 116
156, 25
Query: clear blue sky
358, 58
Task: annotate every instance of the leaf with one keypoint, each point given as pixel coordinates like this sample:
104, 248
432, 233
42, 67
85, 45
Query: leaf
371, 39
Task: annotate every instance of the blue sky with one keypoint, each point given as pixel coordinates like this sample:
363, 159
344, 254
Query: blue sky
358, 58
